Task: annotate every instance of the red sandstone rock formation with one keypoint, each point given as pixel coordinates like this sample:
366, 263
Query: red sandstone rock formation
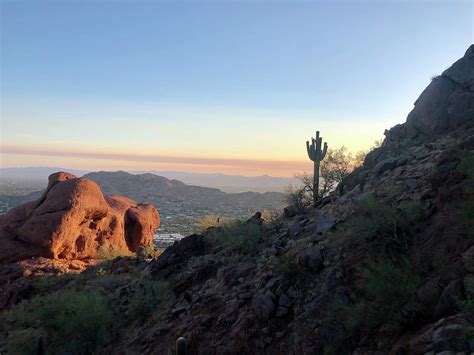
72, 220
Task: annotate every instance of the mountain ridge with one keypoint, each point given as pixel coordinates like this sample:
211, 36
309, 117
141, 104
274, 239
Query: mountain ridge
227, 183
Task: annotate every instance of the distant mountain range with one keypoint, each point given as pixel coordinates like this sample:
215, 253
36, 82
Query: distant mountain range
178, 203
227, 183
231, 183
158, 189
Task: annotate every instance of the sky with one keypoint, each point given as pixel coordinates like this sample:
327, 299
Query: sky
235, 87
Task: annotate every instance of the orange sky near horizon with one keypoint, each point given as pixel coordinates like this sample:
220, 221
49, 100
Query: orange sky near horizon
88, 159
229, 141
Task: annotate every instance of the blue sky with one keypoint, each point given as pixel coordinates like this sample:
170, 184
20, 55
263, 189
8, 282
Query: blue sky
237, 80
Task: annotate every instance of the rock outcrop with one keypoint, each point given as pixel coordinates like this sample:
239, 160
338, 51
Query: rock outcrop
446, 105
73, 220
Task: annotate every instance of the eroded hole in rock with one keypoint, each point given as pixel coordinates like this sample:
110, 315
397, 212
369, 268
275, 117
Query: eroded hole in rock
63, 254
113, 223
80, 244
130, 226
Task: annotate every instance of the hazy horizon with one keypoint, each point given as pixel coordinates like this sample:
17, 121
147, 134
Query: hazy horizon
234, 88
140, 171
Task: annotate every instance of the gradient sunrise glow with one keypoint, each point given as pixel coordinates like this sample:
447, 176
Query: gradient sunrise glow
234, 88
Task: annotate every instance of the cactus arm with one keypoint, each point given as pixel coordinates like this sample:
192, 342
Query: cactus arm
310, 151
325, 150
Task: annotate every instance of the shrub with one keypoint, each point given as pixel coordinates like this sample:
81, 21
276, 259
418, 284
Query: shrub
337, 165
45, 283
273, 218
25, 341
148, 251
287, 264
349, 317
387, 229
387, 286
467, 306
108, 282
466, 166
238, 236
67, 322
202, 223
389, 279
147, 297
110, 252
299, 197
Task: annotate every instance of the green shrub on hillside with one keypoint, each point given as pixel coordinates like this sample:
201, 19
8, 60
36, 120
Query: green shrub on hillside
238, 236
148, 295
385, 229
74, 322
387, 286
466, 166
202, 223
388, 279
110, 252
287, 264
148, 251
272, 218
384, 288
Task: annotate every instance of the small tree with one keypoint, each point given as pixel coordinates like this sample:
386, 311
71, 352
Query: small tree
301, 196
338, 164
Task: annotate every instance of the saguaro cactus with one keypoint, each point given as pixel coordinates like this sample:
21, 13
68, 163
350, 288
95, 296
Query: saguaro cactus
181, 346
316, 154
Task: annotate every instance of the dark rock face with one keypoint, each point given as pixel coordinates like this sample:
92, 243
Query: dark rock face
312, 259
180, 252
262, 305
72, 220
446, 104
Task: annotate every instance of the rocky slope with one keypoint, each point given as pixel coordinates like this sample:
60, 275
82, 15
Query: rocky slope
385, 265
73, 220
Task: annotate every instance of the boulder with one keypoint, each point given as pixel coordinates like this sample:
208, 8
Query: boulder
384, 165
321, 225
468, 283
295, 230
262, 305
290, 211
180, 252
468, 259
73, 220
311, 259
449, 299
446, 335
